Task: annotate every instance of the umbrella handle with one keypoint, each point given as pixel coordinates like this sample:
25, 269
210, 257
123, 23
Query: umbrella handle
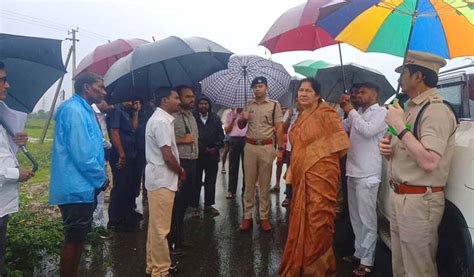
342, 68
23, 148
30, 157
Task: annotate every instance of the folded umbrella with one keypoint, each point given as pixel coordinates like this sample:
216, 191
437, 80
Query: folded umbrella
104, 56
231, 87
168, 62
332, 84
33, 66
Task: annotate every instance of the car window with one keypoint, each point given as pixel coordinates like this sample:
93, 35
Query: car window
452, 94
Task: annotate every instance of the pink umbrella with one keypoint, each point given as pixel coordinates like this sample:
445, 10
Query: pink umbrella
100, 60
296, 30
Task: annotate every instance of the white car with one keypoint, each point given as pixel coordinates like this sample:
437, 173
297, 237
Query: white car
456, 232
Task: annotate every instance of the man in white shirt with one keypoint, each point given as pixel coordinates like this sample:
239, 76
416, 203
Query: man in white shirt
162, 175
366, 127
10, 172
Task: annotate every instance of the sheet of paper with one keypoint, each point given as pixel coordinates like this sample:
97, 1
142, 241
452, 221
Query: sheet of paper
14, 120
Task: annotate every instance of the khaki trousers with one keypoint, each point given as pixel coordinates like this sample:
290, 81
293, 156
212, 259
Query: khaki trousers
414, 233
160, 206
258, 164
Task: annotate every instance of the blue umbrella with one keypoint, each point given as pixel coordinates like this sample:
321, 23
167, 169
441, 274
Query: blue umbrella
33, 65
165, 63
231, 87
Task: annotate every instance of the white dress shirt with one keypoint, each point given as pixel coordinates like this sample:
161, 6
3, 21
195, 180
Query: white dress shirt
160, 132
9, 173
365, 129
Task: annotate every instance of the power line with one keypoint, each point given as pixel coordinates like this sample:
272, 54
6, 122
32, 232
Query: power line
85, 35
50, 24
33, 22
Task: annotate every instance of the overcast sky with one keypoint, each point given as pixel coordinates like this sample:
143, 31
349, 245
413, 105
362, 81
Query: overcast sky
238, 25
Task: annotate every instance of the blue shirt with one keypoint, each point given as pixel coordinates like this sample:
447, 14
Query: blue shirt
77, 163
123, 120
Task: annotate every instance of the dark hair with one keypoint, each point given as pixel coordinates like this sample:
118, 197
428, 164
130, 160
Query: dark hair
355, 86
162, 92
2, 65
314, 84
430, 78
180, 89
371, 85
85, 78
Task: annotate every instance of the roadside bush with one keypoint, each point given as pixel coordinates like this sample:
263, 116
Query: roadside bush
31, 236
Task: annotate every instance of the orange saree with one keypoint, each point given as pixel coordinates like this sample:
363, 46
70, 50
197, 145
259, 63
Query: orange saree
318, 141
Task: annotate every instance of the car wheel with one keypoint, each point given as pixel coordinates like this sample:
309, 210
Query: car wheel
453, 248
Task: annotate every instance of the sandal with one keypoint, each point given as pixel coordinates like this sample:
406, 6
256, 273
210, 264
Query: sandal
363, 270
285, 203
351, 259
230, 195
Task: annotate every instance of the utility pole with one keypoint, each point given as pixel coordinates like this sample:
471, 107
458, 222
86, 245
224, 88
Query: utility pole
58, 89
73, 48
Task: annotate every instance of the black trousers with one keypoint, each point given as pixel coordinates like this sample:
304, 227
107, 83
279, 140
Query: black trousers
3, 242
208, 166
182, 200
124, 190
236, 154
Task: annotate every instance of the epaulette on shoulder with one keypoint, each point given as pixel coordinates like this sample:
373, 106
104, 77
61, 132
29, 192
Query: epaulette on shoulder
436, 99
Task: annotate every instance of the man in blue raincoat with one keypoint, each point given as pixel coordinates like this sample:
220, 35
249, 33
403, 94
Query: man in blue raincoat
77, 167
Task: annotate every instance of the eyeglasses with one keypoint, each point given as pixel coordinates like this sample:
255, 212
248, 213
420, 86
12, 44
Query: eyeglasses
3, 80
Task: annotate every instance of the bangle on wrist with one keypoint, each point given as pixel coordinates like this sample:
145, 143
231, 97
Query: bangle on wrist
402, 133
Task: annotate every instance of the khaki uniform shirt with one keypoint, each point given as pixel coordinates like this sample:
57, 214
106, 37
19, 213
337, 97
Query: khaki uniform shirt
436, 133
185, 118
261, 121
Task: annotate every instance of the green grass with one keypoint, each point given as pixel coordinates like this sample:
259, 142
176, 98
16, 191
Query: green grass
42, 155
34, 128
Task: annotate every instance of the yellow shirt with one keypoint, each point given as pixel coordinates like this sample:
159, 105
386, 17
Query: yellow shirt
436, 133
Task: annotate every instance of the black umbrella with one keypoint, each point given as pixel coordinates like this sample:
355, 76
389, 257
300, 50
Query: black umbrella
332, 83
165, 63
33, 65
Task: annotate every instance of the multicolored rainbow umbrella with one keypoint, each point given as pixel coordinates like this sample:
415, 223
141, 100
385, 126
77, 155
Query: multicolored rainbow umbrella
440, 27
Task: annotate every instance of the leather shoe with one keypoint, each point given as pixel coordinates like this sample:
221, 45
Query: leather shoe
246, 224
265, 225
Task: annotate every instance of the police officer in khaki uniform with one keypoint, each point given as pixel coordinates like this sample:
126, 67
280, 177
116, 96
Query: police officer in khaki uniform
419, 160
264, 119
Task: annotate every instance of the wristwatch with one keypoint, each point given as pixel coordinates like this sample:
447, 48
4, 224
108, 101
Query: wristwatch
402, 133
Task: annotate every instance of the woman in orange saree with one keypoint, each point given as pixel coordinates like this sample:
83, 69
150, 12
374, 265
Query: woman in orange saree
319, 141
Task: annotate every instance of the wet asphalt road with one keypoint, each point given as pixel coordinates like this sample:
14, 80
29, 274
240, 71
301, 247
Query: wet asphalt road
219, 248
